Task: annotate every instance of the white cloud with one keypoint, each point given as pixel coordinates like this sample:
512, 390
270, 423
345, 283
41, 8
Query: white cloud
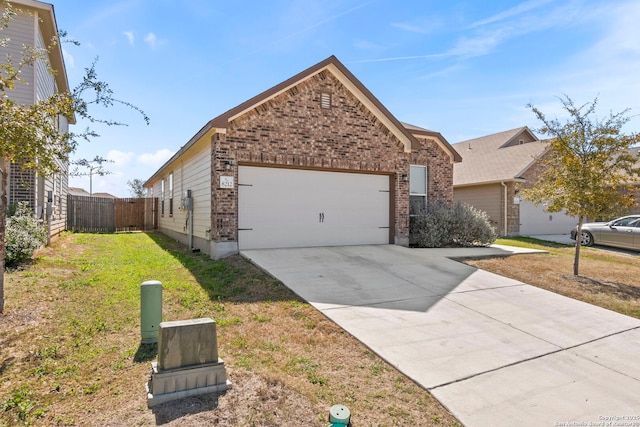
485, 40
478, 46
623, 32
130, 36
126, 166
411, 28
514, 11
120, 158
156, 159
610, 68
151, 39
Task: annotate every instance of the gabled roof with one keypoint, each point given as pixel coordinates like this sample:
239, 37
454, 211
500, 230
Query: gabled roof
404, 132
490, 159
105, 195
77, 191
418, 132
351, 82
345, 77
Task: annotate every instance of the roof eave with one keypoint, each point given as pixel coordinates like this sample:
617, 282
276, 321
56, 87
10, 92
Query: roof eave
349, 80
209, 128
453, 153
46, 15
494, 181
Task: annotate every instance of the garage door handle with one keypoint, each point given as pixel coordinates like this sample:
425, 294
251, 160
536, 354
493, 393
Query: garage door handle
321, 217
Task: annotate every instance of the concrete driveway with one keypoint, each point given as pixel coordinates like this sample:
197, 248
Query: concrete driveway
494, 351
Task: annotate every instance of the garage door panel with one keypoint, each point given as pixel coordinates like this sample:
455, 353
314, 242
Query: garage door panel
534, 220
297, 208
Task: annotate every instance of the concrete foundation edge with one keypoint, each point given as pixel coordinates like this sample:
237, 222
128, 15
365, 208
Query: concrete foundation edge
215, 250
223, 249
158, 399
401, 241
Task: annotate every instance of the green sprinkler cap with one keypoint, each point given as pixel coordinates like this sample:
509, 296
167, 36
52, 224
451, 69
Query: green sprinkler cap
339, 415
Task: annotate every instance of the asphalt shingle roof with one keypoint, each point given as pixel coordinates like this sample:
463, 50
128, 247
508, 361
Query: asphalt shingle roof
486, 160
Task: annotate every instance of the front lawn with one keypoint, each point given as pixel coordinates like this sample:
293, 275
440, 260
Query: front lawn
607, 279
70, 350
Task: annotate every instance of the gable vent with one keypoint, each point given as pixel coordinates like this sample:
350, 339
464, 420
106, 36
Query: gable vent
325, 100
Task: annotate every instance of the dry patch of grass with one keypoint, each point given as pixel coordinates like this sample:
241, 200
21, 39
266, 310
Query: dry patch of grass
607, 279
70, 350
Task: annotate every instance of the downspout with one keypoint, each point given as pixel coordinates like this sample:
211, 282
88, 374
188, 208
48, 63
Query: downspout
505, 207
190, 219
189, 206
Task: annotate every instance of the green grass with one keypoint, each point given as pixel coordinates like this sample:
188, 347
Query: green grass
530, 243
99, 288
71, 354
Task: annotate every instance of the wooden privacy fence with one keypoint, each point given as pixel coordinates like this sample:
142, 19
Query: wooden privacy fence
103, 215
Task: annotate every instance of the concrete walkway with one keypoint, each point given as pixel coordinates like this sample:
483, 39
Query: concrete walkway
494, 351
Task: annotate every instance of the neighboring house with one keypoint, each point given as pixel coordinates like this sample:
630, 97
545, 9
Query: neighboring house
315, 161
76, 191
494, 169
104, 195
35, 25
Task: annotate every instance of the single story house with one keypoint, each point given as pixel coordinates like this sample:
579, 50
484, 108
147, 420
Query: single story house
316, 160
495, 168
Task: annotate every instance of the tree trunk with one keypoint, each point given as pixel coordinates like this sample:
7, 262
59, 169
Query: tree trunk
576, 260
4, 173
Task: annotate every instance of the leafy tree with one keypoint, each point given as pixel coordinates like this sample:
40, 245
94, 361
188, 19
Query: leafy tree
29, 134
84, 167
136, 187
589, 167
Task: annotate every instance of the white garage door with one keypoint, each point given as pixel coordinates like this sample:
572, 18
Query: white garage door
535, 221
279, 208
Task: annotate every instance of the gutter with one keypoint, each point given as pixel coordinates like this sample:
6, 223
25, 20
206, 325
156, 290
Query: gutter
505, 207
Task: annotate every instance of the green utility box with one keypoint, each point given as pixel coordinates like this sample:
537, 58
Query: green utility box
150, 311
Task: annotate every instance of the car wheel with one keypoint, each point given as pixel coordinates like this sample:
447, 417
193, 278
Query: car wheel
586, 239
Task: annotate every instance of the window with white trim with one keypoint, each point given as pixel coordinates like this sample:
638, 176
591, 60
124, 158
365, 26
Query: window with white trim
171, 194
417, 189
162, 197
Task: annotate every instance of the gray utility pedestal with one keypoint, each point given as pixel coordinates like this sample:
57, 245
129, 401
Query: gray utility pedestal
188, 363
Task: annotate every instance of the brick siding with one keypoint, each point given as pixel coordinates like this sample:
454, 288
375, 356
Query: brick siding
293, 130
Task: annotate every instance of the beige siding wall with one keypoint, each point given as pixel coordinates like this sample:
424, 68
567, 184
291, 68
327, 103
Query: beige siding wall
487, 198
524, 136
20, 32
24, 30
191, 172
58, 184
45, 81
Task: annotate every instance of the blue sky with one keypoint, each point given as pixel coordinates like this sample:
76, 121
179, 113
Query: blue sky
462, 68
